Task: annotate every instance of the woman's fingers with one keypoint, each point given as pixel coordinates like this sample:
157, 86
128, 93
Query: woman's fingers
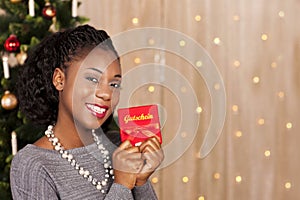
127, 158
153, 142
152, 154
152, 159
124, 145
150, 134
127, 163
134, 165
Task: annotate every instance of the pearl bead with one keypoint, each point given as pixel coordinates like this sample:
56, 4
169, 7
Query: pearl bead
73, 162
70, 157
81, 171
86, 173
57, 147
99, 187
64, 155
48, 132
105, 152
106, 165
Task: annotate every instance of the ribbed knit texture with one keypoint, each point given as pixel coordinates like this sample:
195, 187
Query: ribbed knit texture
38, 173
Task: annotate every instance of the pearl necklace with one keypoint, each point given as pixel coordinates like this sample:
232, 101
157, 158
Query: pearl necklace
83, 172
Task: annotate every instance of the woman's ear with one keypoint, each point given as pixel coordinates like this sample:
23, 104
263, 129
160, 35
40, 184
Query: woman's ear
58, 79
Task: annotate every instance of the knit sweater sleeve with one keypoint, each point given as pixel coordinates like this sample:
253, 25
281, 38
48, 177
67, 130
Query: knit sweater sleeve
144, 192
119, 192
29, 180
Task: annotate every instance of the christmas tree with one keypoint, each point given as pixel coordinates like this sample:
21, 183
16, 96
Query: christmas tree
23, 24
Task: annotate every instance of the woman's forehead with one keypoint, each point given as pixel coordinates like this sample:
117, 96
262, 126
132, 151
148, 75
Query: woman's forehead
99, 58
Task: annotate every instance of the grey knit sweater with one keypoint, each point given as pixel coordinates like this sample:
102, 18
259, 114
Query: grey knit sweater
38, 173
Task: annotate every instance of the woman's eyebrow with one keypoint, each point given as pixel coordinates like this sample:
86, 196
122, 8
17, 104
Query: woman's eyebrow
101, 72
95, 69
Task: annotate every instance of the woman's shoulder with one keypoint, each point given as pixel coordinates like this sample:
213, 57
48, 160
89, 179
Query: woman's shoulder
29, 173
32, 156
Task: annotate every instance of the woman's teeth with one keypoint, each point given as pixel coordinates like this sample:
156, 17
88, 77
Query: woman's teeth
96, 109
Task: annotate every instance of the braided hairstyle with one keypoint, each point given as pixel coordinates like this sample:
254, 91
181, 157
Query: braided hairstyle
37, 95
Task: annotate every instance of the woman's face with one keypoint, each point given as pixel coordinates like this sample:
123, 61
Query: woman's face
92, 88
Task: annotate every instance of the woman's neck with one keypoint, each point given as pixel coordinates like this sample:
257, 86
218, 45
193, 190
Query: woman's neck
72, 136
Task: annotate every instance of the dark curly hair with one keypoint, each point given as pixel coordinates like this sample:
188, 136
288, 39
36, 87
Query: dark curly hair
37, 95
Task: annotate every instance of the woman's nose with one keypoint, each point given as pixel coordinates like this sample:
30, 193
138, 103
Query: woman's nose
103, 91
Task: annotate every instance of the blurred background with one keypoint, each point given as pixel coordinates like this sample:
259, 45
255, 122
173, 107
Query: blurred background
252, 49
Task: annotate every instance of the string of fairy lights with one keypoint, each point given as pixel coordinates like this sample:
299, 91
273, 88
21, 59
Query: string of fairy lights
287, 184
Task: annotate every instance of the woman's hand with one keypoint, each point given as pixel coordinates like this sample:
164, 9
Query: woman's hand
127, 163
152, 155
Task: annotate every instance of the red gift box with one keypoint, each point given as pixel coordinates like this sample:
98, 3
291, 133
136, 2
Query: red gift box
139, 123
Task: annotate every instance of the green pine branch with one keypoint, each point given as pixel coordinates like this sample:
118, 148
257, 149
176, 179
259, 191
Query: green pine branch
14, 19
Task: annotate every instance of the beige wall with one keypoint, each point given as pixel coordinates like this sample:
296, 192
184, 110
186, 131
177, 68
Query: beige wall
255, 46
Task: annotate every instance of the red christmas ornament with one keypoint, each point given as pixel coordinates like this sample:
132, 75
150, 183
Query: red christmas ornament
12, 44
49, 11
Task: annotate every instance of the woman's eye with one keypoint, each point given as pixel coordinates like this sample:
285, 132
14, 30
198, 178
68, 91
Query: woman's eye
92, 79
115, 85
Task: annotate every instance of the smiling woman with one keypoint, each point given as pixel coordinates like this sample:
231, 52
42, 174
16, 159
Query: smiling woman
71, 83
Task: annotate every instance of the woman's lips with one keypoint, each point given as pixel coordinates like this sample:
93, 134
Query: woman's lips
97, 110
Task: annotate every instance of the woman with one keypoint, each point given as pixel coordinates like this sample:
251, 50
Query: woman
71, 82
